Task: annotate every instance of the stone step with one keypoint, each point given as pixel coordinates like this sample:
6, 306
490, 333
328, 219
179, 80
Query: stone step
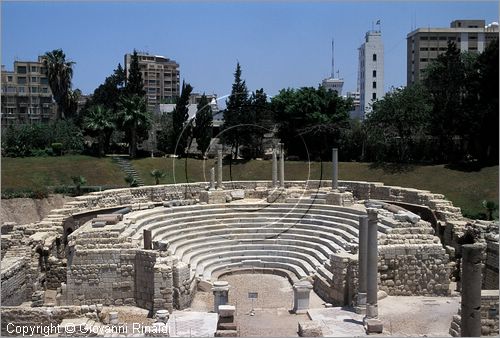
289, 263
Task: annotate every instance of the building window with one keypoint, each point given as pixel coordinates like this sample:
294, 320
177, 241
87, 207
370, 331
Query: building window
21, 89
433, 38
45, 90
21, 69
442, 38
423, 49
374, 96
9, 78
424, 38
374, 73
44, 80
423, 59
34, 79
34, 89
374, 84
34, 69
374, 57
21, 80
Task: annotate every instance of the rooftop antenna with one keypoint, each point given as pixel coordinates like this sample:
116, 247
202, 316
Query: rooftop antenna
333, 60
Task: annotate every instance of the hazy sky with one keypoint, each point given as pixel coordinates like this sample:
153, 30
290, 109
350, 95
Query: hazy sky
278, 44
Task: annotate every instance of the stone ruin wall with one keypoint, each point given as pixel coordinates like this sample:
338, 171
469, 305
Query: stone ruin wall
127, 289
490, 275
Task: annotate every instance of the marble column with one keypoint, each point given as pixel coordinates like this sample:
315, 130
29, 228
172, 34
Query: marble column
275, 169
219, 169
362, 256
335, 168
301, 292
148, 243
372, 265
471, 290
212, 179
282, 165
221, 294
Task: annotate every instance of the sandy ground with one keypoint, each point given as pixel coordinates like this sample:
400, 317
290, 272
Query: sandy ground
27, 210
417, 316
402, 316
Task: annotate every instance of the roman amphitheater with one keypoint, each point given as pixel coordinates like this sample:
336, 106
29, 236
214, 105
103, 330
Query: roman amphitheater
275, 257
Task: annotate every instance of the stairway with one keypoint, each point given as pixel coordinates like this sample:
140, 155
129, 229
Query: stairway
125, 165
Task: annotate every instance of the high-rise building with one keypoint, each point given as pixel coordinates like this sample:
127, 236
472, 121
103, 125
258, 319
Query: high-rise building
371, 71
425, 44
160, 76
26, 94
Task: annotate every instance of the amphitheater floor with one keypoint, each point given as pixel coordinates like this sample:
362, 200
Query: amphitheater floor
271, 308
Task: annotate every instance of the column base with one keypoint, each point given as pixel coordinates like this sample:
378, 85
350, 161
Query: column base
360, 309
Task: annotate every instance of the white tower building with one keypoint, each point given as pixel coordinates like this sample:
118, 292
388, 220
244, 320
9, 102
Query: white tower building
371, 71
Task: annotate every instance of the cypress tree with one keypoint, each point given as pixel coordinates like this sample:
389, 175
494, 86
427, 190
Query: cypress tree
203, 128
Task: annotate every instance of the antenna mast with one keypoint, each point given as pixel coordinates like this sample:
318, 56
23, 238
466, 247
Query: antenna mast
333, 61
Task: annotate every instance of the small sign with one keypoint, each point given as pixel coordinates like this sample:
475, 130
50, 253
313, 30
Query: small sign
253, 295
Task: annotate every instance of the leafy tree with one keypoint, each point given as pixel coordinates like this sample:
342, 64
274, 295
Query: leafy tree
397, 120
487, 108
203, 125
490, 207
310, 121
235, 130
59, 72
134, 83
261, 117
97, 121
181, 131
134, 119
158, 174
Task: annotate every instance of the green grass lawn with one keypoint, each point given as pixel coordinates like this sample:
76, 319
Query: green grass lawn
465, 189
33, 172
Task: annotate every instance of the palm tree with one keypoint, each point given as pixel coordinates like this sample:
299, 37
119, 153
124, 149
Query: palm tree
59, 72
158, 174
99, 120
134, 117
79, 181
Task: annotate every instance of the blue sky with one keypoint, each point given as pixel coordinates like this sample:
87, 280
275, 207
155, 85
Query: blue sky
279, 44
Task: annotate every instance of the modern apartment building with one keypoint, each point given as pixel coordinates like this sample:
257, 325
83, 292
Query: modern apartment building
160, 76
371, 71
425, 44
26, 94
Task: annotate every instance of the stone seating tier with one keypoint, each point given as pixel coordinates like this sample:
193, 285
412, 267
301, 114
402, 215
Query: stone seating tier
301, 234
143, 218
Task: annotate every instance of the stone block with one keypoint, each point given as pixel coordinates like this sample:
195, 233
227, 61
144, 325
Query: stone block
226, 333
226, 310
374, 326
310, 329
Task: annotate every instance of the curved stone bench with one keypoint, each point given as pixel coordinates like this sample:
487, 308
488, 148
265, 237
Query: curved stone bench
311, 256
340, 229
221, 211
192, 244
295, 273
322, 250
302, 267
256, 233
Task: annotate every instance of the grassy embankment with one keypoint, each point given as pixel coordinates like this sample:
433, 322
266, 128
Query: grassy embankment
465, 189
